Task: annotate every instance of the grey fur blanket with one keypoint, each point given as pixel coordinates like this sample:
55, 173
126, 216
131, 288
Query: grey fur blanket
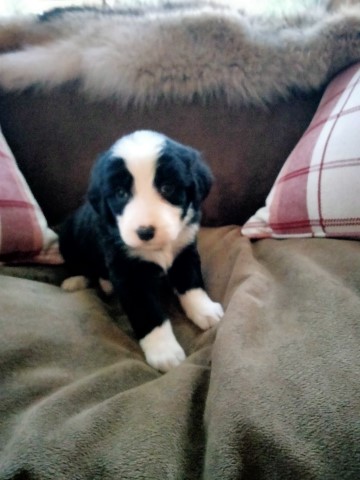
275, 396
203, 51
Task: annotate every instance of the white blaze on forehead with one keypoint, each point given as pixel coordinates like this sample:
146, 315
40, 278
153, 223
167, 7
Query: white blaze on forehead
146, 207
140, 152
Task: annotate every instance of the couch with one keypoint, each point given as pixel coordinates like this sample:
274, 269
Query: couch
273, 391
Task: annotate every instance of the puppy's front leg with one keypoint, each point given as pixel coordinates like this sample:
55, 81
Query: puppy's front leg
185, 275
139, 295
162, 350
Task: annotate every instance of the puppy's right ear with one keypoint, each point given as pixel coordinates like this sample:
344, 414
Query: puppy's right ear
96, 190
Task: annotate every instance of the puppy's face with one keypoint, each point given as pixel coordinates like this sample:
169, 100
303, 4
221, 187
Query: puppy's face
151, 187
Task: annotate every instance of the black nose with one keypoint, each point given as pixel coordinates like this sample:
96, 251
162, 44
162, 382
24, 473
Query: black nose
146, 233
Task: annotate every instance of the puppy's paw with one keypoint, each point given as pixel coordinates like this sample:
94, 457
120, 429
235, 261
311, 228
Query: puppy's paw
72, 284
162, 350
200, 308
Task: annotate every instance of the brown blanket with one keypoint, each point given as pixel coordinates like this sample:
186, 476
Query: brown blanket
272, 394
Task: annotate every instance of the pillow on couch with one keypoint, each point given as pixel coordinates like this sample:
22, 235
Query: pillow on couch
24, 233
317, 192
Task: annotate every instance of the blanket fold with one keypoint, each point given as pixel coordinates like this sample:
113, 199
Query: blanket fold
271, 394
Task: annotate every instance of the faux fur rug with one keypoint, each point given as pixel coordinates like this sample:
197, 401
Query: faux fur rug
208, 51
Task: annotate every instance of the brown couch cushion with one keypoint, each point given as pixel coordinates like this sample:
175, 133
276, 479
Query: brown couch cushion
65, 132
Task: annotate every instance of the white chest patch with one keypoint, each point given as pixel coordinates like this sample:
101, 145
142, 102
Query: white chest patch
164, 257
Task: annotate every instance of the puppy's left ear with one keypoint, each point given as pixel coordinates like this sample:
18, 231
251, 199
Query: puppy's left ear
94, 194
202, 176
96, 190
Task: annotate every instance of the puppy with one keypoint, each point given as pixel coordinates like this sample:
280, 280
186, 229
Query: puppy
139, 224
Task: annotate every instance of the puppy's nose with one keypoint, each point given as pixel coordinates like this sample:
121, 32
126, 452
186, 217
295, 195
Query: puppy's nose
146, 233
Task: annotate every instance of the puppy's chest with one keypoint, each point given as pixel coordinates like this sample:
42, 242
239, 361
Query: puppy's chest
165, 257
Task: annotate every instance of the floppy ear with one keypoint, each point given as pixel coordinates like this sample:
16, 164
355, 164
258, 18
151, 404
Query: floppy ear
202, 177
96, 189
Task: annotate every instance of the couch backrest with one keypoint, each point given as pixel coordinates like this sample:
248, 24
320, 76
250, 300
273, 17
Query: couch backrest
56, 137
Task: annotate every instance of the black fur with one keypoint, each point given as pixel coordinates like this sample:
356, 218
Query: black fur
91, 244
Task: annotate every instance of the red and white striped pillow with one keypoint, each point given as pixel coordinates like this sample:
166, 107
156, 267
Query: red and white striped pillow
317, 192
24, 233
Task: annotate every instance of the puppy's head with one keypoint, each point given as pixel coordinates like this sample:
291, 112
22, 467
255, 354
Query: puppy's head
151, 187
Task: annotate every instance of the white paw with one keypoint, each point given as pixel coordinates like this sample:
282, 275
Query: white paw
162, 350
200, 308
72, 284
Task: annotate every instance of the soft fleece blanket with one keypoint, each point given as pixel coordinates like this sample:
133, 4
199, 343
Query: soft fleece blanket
273, 393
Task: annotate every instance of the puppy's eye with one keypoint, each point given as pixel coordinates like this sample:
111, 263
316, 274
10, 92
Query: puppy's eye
167, 189
122, 194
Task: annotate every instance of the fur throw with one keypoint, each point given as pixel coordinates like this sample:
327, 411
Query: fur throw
181, 53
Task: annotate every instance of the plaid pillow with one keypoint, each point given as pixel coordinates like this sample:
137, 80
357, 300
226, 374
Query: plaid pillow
24, 233
317, 192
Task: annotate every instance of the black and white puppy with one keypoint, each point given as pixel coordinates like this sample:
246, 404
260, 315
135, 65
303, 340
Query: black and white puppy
140, 222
